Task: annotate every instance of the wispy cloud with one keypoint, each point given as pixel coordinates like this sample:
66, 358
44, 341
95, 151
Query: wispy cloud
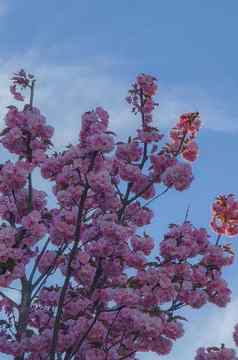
216, 114
65, 91
3, 7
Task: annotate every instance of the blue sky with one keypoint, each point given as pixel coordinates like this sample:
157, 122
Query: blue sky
86, 53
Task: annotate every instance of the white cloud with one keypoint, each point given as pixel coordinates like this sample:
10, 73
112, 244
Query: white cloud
64, 92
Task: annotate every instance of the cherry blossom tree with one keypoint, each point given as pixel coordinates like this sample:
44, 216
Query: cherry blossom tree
92, 284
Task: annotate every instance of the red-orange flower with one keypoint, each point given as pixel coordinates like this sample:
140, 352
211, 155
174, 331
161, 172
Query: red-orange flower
225, 215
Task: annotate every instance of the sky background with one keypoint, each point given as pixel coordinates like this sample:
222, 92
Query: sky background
86, 53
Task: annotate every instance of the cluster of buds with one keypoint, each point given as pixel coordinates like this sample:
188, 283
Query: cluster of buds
141, 97
21, 80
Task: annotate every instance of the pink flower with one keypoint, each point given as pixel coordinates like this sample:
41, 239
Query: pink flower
179, 175
190, 151
47, 260
143, 186
173, 330
129, 152
129, 172
145, 244
100, 142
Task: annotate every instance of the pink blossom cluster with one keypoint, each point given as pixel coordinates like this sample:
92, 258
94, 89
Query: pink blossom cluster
26, 134
180, 176
91, 287
13, 177
183, 136
14, 205
169, 170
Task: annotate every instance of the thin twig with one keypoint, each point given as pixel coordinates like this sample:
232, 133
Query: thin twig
38, 259
186, 214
